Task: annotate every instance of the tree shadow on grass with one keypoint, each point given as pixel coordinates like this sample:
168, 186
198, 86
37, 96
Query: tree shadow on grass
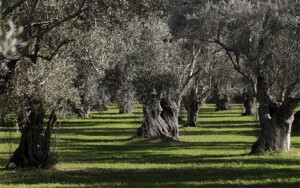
226, 122
98, 131
147, 153
156, 177
295, 145
224, 126
114, 118
217, 116
92, 123
221, 132
9, 140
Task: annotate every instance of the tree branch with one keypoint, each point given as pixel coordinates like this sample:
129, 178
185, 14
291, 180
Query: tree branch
291, 87
53, 54
235, 63
187, 81
33, 7
56, 24
10, 9
91, 62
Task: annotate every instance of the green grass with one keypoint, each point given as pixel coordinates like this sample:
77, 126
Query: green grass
95, 153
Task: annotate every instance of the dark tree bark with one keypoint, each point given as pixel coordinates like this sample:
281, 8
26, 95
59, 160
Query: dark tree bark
250, 106
223, 103
181, 113
84, 112
222, 100
34, 147
191, 104
275, 120
276, 123
160, 121
296, 123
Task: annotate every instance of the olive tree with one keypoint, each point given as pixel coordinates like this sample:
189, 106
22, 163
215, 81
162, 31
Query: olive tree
37, 18
261, 40
33, 85
223, 88
155, 79
117, 79
197, 54
85, 53
163, 70
108, 46
198, 90
40, 91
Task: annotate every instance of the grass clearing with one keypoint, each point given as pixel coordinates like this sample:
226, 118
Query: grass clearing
96, 152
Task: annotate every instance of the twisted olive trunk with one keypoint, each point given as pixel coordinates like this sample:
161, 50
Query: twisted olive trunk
275, 128
275, 120
250, 106
191, 104
34, 147
222, 100
223, 104
84, 112
160, 120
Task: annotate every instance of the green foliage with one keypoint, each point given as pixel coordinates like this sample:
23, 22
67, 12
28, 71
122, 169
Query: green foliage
98, 152
259, 37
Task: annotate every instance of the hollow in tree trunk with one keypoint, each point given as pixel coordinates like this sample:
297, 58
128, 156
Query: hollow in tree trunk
250, 106
191, 104
296, 123
34, 147
160, 121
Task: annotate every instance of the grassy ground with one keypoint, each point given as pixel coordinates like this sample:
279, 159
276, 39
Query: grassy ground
94, 153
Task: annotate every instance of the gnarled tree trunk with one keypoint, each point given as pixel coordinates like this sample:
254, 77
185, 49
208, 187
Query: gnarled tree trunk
276, 123
250, 106
34, 147
84, 112
275, 120
223, 103
160, 120
191, 104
